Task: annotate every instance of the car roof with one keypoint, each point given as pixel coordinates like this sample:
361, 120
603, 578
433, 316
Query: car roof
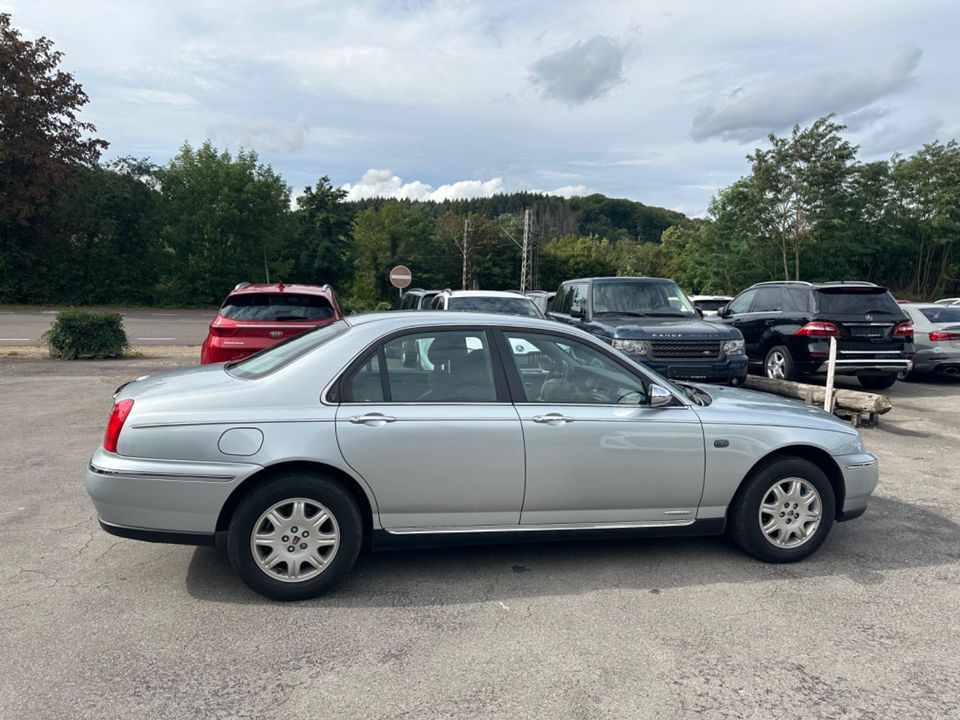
254, 288
400, 319
484, 293
614, 278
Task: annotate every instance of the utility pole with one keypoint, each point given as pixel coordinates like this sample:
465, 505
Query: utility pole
526, 267
467, 270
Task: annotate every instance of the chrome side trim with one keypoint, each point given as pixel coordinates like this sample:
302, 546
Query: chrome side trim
537, 528
232, 423
870, 352
159, 475
868, 463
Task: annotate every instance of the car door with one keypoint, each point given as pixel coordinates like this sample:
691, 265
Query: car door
737, 314
438, 440
596, 454
573, 305
759, 325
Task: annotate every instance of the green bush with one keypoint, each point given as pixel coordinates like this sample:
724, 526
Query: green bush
80, 334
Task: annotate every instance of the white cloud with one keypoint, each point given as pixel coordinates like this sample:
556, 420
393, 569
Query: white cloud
583, 72
751, 111
263, 136
384, 184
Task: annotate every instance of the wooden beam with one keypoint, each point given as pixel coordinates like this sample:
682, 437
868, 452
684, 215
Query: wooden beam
855, 400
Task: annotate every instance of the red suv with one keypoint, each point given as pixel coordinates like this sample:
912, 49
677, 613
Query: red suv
254, 317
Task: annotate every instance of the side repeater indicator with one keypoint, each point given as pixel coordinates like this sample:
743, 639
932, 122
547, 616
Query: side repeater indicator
721, 443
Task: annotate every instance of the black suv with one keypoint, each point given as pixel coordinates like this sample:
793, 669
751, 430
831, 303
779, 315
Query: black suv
652, 321
787, 328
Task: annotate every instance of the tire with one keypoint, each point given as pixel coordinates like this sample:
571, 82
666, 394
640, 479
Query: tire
331, 547
778, 364
906, 375
877, 382
784, 544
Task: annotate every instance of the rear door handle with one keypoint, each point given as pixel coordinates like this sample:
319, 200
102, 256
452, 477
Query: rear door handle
374, 419
552, 419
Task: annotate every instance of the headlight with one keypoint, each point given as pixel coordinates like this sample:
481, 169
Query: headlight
632, 347
733, 347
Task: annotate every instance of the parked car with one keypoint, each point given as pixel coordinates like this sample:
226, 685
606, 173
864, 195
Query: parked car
653, 321
542, 298
495, 301
787, 328
300, 455
709, 304
948, 301
936, 338
255, 317
417, 299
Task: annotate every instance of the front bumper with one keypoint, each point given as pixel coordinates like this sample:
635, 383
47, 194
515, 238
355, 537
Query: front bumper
723, 370
860, 475
140, 498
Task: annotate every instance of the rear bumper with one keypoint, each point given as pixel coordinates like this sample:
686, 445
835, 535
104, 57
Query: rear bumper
149, 499
853, 365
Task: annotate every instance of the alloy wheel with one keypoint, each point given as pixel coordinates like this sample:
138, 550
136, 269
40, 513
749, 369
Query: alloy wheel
295, 540
790, 513
776, 365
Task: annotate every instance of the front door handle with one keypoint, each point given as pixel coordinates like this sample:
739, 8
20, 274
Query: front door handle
374, 419
553, 419
771, 321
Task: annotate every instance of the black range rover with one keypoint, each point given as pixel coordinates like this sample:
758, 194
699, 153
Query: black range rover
652, 321
787, 328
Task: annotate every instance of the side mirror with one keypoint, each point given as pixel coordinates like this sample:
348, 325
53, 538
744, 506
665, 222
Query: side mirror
659, 396
724, 312
576, 312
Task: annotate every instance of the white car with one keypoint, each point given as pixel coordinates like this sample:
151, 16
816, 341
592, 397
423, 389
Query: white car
709, 304
948, 301
493, 301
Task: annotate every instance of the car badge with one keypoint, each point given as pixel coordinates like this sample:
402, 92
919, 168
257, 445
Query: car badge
869, 317
276, 333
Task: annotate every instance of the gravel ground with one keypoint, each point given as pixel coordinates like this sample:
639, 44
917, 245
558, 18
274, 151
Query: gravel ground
98, 627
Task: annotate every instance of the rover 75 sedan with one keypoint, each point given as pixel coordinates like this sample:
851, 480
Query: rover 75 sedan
505, 428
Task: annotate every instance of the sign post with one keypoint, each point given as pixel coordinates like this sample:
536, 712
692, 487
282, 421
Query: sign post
401, 277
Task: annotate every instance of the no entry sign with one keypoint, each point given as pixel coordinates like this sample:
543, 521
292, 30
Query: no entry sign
400, 276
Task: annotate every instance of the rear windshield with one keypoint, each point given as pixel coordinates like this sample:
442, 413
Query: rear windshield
942, 315
506, 305
857, 301
710, 304
276, 307
284, 353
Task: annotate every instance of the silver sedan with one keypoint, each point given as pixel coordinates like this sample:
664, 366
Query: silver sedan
504, 427
936, 338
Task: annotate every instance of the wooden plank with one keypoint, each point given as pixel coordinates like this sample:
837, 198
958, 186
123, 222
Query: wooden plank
861, 402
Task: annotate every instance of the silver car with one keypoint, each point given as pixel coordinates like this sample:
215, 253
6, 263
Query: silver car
506, 427
936, 338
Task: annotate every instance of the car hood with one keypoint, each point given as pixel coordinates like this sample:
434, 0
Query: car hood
751, 407
176, 382
629, 327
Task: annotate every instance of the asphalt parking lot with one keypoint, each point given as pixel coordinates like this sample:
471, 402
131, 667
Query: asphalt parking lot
145, 327
94, 626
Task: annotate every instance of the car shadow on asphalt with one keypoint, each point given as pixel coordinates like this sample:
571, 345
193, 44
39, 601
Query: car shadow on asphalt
892, 535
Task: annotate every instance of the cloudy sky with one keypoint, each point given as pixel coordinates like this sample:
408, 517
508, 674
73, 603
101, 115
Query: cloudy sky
657, 101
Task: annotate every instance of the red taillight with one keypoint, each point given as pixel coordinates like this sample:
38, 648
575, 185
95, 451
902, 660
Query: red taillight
819, 329
119, 416
943, 335
904, 330
222, 331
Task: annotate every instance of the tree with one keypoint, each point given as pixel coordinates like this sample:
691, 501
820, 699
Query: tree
320, 252
801, 184
224, 220
41, 138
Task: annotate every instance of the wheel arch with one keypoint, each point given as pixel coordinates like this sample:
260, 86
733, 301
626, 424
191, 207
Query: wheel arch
365, 503
818, 456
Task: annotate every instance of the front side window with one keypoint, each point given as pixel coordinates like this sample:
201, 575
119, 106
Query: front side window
637, 297
559, 370
769, 299
741, 303
450, 366
577, 298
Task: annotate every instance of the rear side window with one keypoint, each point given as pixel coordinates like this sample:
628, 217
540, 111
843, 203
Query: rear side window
796, 300
276, 307
856, 301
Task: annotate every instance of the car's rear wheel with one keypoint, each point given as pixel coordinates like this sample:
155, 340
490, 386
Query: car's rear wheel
778, 364
294, 536
877, 382
784, 511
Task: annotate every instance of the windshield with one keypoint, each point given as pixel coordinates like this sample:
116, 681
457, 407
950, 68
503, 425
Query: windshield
633, 297
857, 301
284, 353
276, 307
506, 305
942, 315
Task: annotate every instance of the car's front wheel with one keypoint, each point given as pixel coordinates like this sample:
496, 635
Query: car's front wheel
784, 511
294, 536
